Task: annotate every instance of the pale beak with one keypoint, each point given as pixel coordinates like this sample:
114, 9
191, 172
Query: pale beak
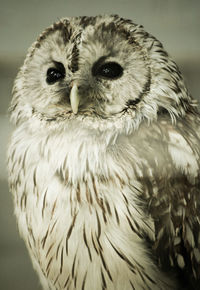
74, 98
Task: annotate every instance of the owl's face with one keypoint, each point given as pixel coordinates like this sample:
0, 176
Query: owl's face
98, 68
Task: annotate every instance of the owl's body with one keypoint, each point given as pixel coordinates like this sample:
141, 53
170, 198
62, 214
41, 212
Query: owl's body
105, 161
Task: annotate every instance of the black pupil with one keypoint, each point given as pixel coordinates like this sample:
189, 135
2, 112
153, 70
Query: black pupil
55, 73
110, 70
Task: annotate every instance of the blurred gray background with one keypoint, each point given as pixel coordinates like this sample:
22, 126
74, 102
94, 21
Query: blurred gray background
175, 22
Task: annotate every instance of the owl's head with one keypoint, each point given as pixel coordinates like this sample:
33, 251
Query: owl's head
97, 69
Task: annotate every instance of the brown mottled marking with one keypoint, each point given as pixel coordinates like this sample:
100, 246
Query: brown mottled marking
73, 265
67, 280
29, 243
117, 216
75, 280
70, 231
78, 194
123, 257
12, 157
95, 189
137, 226
146, 88
61, 261
49, 263
23, 201
149, 278
121, 181
49, 249
84, 279
99, 244
18, 181
65, 29
132, 227
125, 198
128, 210
44, 239
99, 200
98, 225
104, 286
105, 265
142, 277
58, 248
86, 243
101, 203
53, 226
75, 56
34, 177
74, 66
56, 279
86, 21
108, 207
88, 195
94, 244
44, 203
132, 285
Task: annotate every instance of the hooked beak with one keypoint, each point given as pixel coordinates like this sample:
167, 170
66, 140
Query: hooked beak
74, 98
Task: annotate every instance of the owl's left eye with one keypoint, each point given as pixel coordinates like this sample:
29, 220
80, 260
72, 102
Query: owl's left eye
55, 73
108, 70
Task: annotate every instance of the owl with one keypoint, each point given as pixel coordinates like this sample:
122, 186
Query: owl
104, 161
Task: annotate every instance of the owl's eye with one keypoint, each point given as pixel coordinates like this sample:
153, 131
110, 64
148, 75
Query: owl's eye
55, 73
109, 70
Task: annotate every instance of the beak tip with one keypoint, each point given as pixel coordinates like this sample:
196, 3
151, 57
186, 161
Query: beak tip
74, 99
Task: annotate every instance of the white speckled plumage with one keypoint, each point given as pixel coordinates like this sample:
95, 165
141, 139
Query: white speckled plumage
104, 170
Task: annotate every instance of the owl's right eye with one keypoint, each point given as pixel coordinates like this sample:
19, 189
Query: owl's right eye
54, 74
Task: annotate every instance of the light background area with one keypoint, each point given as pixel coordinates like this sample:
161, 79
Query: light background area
175, 22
